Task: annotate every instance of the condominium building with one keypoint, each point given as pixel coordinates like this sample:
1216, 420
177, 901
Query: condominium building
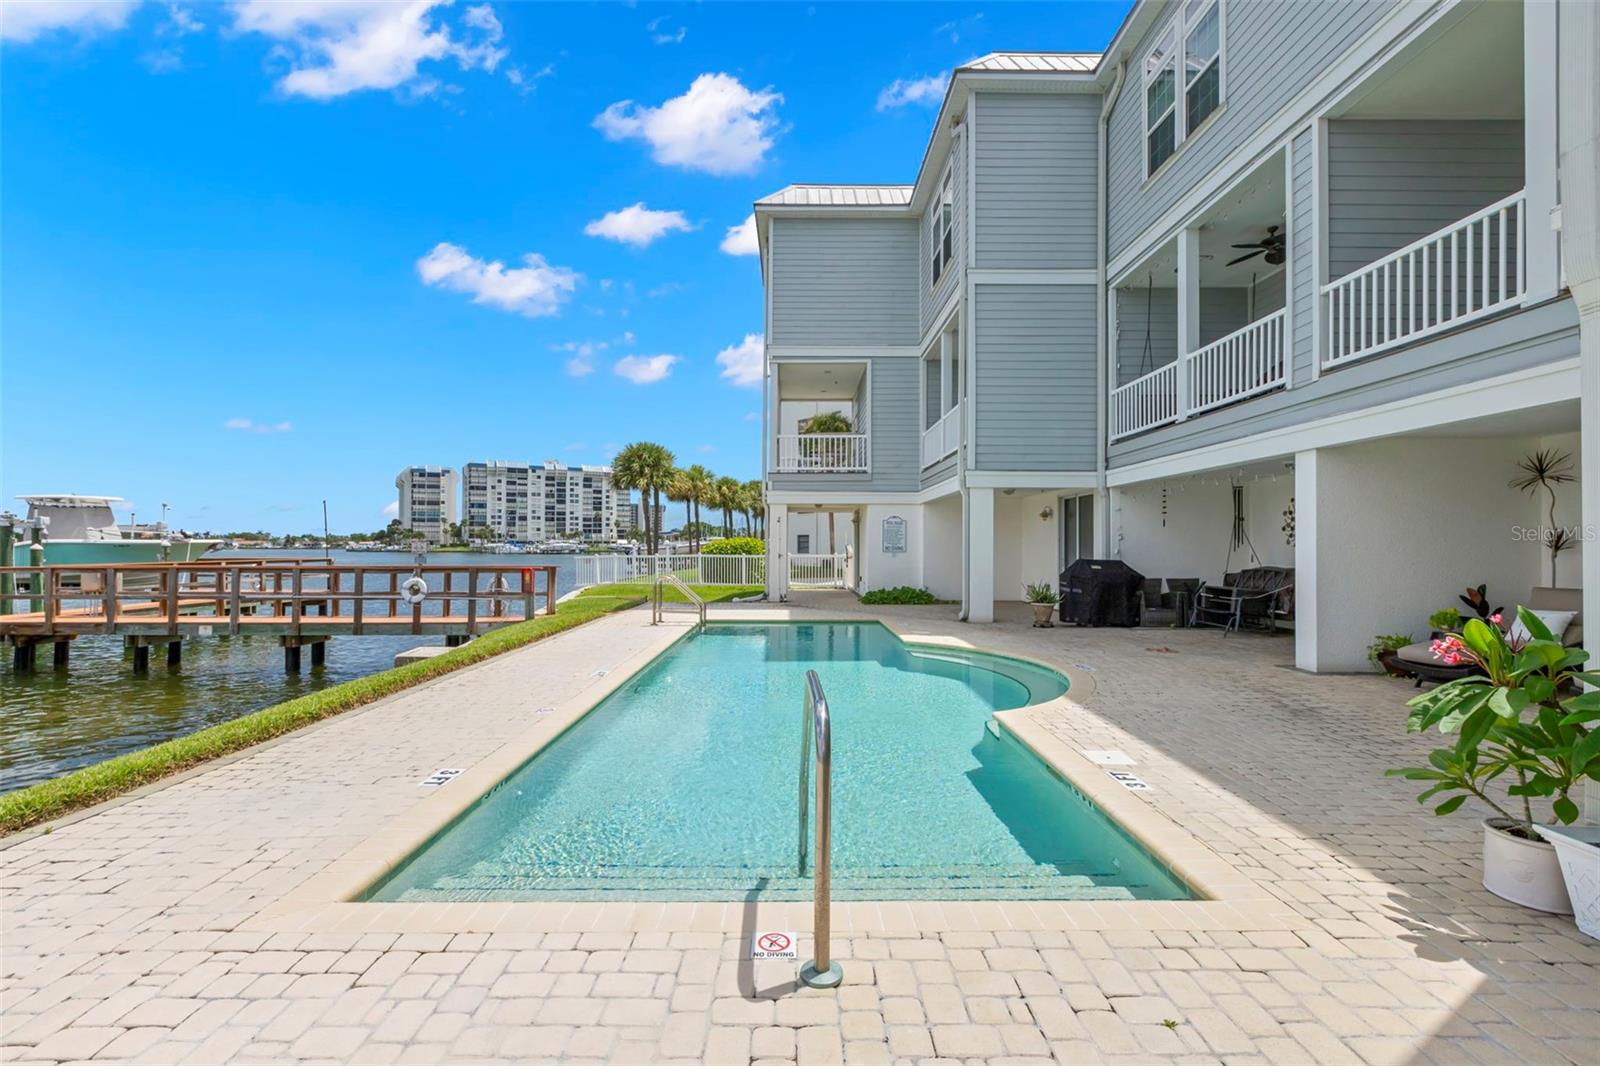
528, 503
628, 514
1283, 285
427, 501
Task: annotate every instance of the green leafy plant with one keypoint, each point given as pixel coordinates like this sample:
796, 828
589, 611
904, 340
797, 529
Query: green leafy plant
1040, 592
735, 546
1379, 645
1448, 619
1525, 716
1478, 600
901, 596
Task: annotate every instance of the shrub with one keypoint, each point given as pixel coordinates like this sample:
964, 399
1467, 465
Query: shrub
735, 546
902, 596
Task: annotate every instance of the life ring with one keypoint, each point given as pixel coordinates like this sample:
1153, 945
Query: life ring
413, 590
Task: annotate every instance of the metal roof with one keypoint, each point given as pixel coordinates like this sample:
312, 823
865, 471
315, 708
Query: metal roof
839, 196
1036, 62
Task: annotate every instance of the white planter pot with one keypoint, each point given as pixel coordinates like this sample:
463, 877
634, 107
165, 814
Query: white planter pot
1578, 848
1042, 613
1522, 871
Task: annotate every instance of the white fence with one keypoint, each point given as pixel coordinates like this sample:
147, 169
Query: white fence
695, 569
941, 438
1471, 268
1245, 362
817, 571
821, 453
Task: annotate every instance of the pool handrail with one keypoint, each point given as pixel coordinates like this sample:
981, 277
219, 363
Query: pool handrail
657, 598
822, 971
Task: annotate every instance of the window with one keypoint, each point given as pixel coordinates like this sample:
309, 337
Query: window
802, 542
941, 241
1173, 109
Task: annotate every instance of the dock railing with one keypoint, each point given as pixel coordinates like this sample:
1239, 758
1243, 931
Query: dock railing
311, 596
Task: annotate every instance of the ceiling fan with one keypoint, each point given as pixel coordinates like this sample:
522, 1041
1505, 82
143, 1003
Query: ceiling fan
1271, 246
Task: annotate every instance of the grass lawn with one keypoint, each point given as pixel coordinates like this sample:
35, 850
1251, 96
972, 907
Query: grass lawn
709, 593
102, 781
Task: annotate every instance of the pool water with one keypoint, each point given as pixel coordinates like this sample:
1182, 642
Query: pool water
683, 785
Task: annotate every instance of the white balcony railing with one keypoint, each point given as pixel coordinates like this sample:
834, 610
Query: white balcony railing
821, 453
1246, 362
942, 438
1469, 269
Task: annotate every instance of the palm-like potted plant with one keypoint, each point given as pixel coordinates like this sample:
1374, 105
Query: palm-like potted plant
1525, 717
1044, 599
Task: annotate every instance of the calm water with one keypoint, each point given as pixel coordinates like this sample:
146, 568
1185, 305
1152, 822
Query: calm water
52, 721
705, 746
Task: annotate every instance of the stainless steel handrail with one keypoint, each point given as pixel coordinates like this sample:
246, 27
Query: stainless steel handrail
657, 599
821, 971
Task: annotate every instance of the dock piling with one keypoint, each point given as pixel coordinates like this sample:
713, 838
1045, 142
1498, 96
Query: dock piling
62, 648
174, 652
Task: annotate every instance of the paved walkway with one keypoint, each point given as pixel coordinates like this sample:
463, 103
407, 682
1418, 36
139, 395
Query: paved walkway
144, 931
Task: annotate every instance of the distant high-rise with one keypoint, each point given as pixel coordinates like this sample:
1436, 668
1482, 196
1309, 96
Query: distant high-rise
427, 501
528, 503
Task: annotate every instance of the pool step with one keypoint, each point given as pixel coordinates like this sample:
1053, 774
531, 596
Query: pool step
1028, 881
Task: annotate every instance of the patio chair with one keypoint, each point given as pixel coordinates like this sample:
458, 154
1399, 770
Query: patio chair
1169, 608
1263, 595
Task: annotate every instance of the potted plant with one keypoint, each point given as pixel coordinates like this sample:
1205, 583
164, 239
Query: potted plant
1524, 716
1044, 599
1382, 653
1447, 620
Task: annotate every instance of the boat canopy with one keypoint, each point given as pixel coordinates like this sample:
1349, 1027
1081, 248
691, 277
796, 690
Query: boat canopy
76, 517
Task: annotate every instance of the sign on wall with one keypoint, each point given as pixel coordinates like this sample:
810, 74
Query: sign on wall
894, 535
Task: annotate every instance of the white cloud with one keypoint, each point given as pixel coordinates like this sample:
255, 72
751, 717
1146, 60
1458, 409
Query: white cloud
644, 369
751, 416
705, 449
28, 20
741, 239
391, 509
245, 425
661, 36
336, 47
637, 225
718, 126
534, 289
581, 365
900, 92
742, 363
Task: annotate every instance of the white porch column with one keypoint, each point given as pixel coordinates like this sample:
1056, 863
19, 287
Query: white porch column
777, 551
1188, 309
980, 545
1540, 158
1305, 560
946, 384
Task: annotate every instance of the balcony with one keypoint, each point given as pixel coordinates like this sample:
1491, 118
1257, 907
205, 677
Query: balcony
1244, 363
821, 453
1464, 271
942, 438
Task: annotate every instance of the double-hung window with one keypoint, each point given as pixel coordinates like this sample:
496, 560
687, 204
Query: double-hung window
1182, 79
941, 242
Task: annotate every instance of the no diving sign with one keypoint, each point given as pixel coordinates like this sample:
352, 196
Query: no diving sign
773, 945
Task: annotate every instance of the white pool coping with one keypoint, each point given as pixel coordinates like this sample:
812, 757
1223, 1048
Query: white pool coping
329, 900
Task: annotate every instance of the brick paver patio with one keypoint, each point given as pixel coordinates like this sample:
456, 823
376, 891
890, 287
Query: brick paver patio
154, 929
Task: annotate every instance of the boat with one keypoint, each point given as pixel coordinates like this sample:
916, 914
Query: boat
560, 547
83, 531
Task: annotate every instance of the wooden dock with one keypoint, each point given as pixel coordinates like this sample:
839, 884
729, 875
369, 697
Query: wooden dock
302, 602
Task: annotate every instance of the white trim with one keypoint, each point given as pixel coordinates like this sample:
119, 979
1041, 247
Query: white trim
1319, 239
1033, 277
1534, 387
858, 498
1289, 258
1393, 32
941, 320
843, 353
1041, 480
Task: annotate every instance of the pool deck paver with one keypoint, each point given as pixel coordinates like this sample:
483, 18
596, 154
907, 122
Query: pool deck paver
156, 929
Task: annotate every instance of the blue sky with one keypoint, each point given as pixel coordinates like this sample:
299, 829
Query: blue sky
260, 254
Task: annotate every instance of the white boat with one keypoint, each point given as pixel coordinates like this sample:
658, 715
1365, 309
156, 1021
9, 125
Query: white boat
83, 531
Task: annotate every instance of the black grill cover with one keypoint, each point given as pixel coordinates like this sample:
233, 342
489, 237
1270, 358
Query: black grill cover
1100, 592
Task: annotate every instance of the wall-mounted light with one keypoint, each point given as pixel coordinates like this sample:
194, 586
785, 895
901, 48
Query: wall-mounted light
1046, 514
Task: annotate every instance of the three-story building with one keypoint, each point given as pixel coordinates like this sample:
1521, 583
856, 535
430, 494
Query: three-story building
1265, 284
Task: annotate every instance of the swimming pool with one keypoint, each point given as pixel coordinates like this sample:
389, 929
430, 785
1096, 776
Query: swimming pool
682, 785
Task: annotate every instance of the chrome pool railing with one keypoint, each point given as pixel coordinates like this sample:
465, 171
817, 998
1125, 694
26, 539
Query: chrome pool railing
657, 599
821, 971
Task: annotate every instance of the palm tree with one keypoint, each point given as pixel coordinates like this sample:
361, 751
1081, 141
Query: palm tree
726, 498
755, 506
701, 482
628, 472
659, 465
679, 491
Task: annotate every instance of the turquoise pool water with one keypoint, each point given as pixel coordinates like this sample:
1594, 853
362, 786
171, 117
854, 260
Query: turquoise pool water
682, 785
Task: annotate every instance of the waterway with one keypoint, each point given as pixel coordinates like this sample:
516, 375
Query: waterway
53, 721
